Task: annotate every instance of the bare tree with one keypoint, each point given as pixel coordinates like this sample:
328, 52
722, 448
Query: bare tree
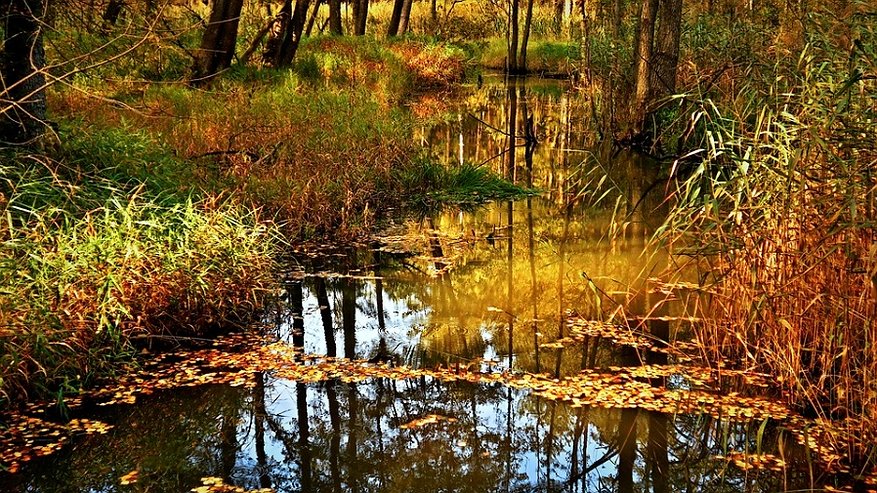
22, 87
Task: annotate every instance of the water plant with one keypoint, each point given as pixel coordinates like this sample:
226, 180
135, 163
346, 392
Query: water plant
777, 211
430, 185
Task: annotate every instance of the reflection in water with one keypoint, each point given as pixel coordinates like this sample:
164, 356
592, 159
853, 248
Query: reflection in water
485, 290
259, 415
314, 438
325, 314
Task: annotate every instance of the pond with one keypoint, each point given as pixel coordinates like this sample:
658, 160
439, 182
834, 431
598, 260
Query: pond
461, 351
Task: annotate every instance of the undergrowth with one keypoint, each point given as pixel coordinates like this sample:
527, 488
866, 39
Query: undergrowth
88, 265
319, 148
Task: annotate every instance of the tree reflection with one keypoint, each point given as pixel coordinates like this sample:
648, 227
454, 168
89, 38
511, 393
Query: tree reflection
348, 315
325, 308
259, 415
311, 437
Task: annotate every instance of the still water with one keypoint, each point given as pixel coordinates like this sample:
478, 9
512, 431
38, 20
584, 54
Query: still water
486, 290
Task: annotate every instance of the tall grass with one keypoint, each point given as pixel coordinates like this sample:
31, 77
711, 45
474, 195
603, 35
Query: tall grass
317, 147
430, 186
88, 265
779, 212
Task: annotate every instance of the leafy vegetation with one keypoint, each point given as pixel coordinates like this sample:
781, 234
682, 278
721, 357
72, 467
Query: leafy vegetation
432, 186
89, 265
775, 205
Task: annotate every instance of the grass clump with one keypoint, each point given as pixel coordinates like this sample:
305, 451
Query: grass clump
87, 266
432, 185
393, 69
432, 64
544, 56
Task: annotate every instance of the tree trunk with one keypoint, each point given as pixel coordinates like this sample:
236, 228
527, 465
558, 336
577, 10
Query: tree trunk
405, 17
616, 18
644, 60
636, 35
292, 35
277, 34
22, 94
528, 20
218, 43
310, 25
586, 37
112, 12
335, 18
512, 57
666, 53
360, 16
393, 28
357, 8
558, 16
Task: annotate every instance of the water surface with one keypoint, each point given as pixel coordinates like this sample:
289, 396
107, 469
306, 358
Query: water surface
475, 291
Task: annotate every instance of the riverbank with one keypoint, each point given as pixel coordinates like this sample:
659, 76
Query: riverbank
92, 260
161, 209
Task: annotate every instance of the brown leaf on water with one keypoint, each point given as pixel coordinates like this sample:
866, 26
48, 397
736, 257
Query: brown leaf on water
747, 461
616, 334
213, 484
130, 478
235, 360
427, 420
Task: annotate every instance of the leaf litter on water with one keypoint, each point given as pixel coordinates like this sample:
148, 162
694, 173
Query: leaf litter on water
236, 360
